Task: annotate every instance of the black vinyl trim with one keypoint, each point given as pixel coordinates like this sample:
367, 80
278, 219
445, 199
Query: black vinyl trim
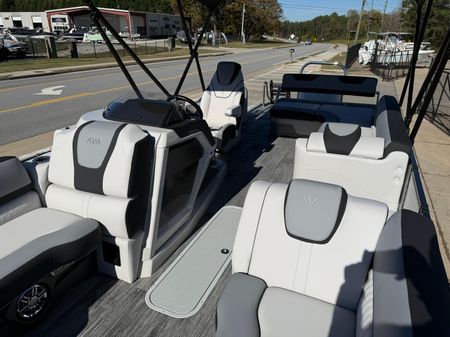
20, 176
141, 165
397, 130
189, 127
330, 84
34, 270
427, 284
88, 179
17, 193
340, 144
140, 185
227, 135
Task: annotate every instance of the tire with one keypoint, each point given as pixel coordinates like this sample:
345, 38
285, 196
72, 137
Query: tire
32, 306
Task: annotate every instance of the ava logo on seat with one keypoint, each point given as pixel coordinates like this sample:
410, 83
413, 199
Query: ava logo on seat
94, 141
311, 201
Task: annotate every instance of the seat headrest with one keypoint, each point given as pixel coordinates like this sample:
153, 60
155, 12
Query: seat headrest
313, 210
101, 157
227, 72
341, 138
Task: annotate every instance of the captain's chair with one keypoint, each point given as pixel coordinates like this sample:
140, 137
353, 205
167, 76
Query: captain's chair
311, 260
224, 105
98, 181
368, 162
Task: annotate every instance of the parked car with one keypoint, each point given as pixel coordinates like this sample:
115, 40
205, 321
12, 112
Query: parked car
308, 42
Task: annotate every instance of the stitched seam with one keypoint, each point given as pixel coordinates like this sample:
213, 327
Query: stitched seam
256, 229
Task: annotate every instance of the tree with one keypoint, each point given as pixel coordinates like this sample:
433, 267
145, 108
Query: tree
262, 16
437, 23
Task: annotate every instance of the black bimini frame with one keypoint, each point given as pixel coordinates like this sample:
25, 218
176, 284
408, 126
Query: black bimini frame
101, 22
431, 81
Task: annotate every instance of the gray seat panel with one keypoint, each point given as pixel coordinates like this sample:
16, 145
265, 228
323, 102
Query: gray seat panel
34, 244
290, 314
238, 307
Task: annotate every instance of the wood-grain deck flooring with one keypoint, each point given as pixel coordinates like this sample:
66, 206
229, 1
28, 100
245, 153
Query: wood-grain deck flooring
101, 306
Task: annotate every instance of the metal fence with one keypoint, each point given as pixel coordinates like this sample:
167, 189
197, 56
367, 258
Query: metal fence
439, 109
390, 65
37, 48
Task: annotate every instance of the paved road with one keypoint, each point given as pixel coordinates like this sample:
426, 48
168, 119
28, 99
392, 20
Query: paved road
25, 111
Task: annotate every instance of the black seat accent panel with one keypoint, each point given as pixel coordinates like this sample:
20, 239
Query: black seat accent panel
14, 181
330, 84
157, 113
340, 144
410, 283
86, 178
391, 127
227, 72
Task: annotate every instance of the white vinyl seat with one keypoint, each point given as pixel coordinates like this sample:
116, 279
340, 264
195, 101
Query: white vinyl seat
35, 240
224, 105
311, 260
102, 170
367, 162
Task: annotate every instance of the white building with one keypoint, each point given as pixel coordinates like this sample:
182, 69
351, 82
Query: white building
63, 19
24, 19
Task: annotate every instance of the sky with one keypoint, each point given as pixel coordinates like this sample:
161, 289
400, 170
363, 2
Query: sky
301, 10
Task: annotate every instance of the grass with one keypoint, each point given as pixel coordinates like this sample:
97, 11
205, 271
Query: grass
44, 63
258, 44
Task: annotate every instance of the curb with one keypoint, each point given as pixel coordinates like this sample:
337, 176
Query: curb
44, 72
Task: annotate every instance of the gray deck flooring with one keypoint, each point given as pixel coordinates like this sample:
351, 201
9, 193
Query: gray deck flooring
101, 306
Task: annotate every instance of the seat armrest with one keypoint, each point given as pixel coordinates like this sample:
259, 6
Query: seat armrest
234, 111
237, 310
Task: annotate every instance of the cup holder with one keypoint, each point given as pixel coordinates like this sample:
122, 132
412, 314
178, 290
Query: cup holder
41, 159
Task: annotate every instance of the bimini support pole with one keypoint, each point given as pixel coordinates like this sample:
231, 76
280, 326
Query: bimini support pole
95, 17
426, 82
100, 21
434, 81
421, 24
193, 49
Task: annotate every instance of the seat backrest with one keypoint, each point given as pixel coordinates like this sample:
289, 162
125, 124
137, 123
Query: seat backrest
16, 190
346, 139
102, 170
309, 237
225, 90
330, 84
411, 296
390, 126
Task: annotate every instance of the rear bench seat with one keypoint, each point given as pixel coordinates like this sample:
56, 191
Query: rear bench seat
98, 174
368, 162
311, 260
320, 100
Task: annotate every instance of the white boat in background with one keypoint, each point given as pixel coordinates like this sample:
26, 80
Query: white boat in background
394, 48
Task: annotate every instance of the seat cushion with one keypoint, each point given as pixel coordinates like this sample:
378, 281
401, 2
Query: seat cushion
99, 157
119, 217
34, 244
289, 314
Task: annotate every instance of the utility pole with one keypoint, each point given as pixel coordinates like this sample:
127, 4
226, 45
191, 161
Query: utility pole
384, 14
360, 19
242, 26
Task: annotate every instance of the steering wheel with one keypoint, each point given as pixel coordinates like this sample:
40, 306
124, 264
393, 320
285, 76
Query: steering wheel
182, 110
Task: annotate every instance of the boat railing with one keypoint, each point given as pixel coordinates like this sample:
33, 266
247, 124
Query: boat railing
390, 64
324, 63
439, 108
